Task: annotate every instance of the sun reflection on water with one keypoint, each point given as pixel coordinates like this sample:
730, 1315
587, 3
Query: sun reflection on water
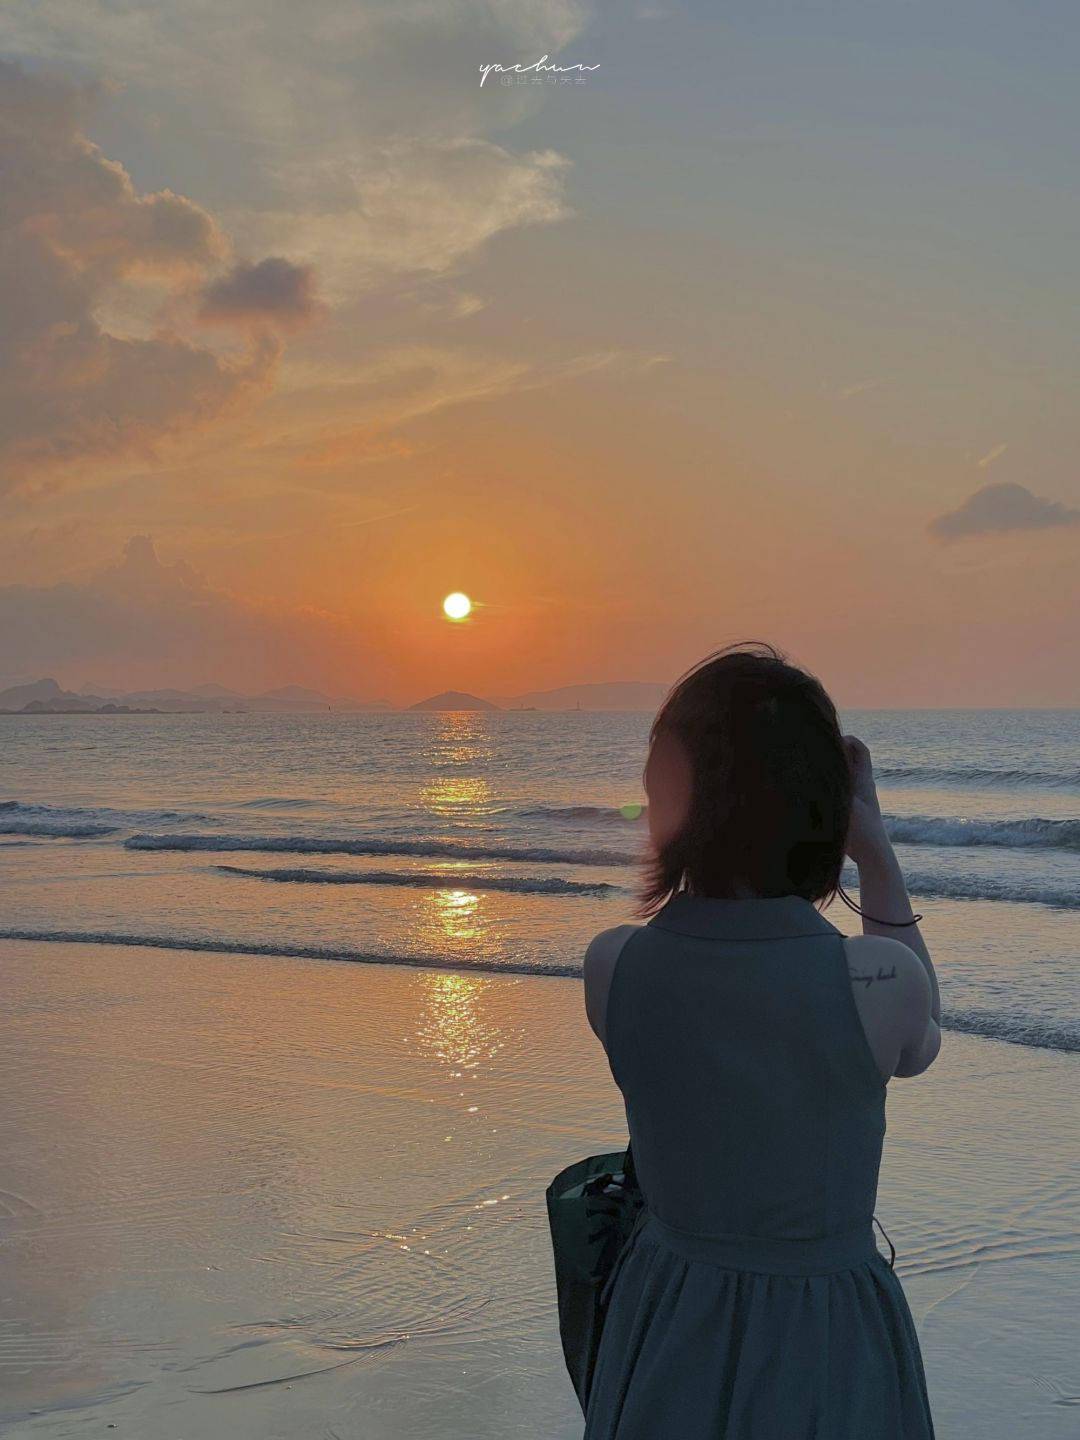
459, 737
454, 1023
457, 796
457, 914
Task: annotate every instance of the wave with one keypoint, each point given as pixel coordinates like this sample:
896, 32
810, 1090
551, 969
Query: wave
1027, 1030
439, 880
285, 802
977, 775
938, 887
1017, 1029
57, 829
74, 822
359, 845
52, 822
289, 952
1012, 889
583, 814
908, 830
1024, 834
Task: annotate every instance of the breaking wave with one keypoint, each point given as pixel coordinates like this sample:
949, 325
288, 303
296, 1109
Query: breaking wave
977, 775
1014, 834
584, 814
63, 822
428, 880
371, 845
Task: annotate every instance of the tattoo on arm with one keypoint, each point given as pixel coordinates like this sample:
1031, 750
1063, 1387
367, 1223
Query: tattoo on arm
868, 980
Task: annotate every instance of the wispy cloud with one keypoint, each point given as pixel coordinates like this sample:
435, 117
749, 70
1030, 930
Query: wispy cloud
413, 207
860, 387
999, 509
301, 423
994, 453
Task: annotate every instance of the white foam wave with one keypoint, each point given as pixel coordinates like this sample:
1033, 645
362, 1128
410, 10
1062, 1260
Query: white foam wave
444, 880
1032, 833
372, 845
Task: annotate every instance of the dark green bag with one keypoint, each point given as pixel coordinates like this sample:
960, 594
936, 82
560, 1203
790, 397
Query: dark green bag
593, 1209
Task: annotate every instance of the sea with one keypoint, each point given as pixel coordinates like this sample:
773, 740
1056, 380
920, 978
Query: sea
504, 840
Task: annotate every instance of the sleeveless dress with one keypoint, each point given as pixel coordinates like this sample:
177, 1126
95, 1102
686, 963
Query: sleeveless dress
751, 1302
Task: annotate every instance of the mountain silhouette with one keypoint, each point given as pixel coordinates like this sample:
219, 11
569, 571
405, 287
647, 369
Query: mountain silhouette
453, 700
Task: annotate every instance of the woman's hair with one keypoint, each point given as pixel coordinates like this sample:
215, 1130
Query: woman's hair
767, 792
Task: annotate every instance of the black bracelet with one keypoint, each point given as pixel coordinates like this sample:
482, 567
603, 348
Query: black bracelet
895, 924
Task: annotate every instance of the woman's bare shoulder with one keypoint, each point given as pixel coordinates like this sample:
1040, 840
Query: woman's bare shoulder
598, 966
891, 956
892, 994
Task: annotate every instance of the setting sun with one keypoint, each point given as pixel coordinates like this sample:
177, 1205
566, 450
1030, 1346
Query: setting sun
457, 606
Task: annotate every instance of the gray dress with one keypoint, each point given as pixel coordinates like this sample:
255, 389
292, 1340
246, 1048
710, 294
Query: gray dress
752, 1303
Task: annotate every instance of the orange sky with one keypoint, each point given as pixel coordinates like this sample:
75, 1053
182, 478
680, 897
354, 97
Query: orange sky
644, 366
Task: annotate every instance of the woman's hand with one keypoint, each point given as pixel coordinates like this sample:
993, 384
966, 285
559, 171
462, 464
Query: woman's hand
867, 837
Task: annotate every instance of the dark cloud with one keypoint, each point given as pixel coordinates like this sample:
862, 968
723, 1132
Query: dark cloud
997, 509
271, 290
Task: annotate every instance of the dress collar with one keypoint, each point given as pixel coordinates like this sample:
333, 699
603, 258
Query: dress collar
784, 917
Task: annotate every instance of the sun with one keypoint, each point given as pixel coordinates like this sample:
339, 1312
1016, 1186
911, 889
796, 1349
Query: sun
457, 606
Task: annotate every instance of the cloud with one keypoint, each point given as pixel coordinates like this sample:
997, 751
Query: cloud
73, 232
143, 622
410, 207
287, 76
994, 453
998, 509
271, 290
302, 423
860, 387
61, 192
354, 137
354, 447
351, 146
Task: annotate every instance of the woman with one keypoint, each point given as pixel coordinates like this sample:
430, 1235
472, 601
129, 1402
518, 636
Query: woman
753, 1044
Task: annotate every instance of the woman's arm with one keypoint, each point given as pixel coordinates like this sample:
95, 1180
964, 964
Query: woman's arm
883, 896
882, 891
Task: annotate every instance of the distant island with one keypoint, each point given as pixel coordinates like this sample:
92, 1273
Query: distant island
48, 697
454, 700
39, 707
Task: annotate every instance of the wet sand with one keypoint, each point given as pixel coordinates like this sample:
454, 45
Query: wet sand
263, 1197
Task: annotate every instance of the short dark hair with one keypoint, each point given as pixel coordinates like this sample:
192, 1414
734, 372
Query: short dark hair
769, 782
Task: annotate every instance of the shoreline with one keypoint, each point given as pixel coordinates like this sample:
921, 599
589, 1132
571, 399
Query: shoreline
984, 1026
261, 1197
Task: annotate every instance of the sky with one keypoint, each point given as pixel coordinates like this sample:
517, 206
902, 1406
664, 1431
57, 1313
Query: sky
765, 329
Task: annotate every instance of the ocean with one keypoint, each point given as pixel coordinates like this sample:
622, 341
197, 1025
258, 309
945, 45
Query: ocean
502, 841
251, 1191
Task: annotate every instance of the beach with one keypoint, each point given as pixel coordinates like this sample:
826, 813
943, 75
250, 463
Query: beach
262, 1196
472, 475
